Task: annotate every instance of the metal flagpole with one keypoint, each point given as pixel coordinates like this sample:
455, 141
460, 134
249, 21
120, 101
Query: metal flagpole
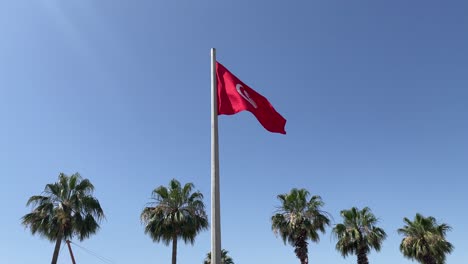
215, 199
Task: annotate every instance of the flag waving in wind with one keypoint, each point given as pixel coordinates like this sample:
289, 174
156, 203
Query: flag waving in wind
234, 96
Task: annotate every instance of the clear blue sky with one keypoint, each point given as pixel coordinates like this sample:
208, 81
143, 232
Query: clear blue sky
375, 94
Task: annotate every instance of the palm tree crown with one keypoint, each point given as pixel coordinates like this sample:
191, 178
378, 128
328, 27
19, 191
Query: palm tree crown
299, 219
176, 212
225, 258
424, 240
358, 234
64, 210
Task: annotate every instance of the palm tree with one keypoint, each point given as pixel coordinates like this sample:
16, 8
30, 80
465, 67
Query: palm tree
358, 234
176, 212
299, 219
65, 209
424, 240
225, 259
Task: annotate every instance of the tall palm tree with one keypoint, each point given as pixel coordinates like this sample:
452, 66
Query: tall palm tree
424, 240
358, 234
175, 212
65, 209
299, 219
225, 258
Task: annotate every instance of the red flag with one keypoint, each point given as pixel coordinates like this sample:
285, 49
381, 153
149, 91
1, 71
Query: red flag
234, 96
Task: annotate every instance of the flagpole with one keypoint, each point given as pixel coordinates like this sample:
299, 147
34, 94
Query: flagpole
215, 199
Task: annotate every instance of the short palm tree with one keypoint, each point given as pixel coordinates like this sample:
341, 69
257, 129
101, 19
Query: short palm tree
358, 234
299, 219
225, 259
176, 212
65, 209
424, 240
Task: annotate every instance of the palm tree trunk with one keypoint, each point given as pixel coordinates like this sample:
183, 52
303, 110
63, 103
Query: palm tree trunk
428, 260
362, 257
57, 248
174, 249
301, 248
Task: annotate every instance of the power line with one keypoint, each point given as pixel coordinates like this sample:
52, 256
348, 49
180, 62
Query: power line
101, 258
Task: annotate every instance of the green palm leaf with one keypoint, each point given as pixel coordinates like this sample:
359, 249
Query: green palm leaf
358, 234
424, 240
66, 209
299, 219
225, 258
176, 212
